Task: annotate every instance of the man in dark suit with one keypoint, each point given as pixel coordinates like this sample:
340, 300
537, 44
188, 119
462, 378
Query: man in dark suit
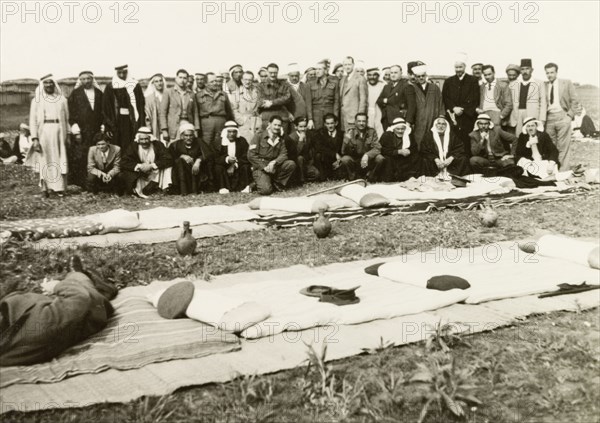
85, 118
328, 148
461, 99
397, 99
103, 166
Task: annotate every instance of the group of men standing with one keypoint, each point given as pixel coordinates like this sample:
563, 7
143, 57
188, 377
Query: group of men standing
231, 131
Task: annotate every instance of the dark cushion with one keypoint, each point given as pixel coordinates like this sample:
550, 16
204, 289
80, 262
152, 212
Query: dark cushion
173, 303
373, 269
447, 282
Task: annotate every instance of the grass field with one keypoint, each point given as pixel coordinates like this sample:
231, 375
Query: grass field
544, 369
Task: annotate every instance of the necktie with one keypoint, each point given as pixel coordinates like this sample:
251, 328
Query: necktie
489, 86
552, 93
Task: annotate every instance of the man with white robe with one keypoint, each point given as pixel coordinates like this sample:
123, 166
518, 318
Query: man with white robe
374, 87
152, 98
49, 124
123, 108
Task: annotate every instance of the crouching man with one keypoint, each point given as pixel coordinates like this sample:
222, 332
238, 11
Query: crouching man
267, 154
232, 168
104, 166
361, 151
35, 328
144, 163
189, 174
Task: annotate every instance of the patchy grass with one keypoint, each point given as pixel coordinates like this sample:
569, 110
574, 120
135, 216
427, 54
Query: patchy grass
546, 369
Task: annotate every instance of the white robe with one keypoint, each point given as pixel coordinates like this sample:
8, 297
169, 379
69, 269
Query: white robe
373, 110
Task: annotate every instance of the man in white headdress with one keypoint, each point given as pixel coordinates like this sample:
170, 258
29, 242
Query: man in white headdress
143, 163
85, 118
235, 83
49, 123
123, 107
375, 87
400, 150
157, 86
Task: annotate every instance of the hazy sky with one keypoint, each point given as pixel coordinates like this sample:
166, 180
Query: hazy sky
198, 37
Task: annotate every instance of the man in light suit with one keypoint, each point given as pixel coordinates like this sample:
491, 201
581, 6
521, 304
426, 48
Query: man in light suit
353, 95
561, 104
495, 97
103, 166
512, 74
176, 106
530, 98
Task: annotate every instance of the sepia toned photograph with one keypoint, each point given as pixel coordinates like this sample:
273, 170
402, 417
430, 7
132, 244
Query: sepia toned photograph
300, 211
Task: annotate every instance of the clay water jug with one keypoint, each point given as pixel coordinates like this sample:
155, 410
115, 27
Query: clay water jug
322, 225
186, 244
488, 215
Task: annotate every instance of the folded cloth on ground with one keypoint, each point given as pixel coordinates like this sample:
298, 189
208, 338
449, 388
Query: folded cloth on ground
62, 227
229, 313
119, 220
290, 311
364, 197
289, 204
592, 176
570, 249
167, 217
495, 271
134, 337
335, 201
426, 184
397, 192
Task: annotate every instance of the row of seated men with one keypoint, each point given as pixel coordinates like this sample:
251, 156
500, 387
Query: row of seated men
272, 160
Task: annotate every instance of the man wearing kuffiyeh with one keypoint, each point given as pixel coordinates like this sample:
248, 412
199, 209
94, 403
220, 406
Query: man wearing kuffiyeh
157, 85
401, 152
143, 163
85, 118
123, 108
49, 123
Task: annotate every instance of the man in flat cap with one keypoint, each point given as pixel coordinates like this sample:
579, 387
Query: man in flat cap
374, 87
530, 98
176, 107
85, 118
338, 71
461, 99
512, 74
123, 107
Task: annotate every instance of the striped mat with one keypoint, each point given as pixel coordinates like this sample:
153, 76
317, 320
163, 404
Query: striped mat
469, 203
134, 337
